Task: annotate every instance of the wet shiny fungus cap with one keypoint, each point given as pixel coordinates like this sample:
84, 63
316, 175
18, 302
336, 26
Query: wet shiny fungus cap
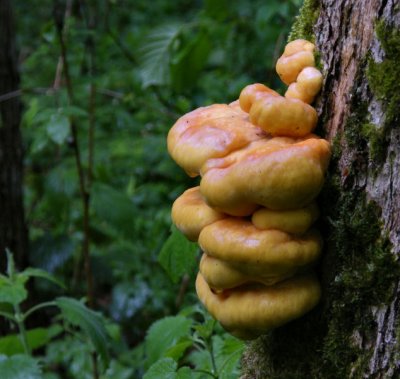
297, 55
209, 132
220, 275
296, 221
275, 114
253, 92
259, 253
191, 214
280, 116
280, 173
307, 85
249, 311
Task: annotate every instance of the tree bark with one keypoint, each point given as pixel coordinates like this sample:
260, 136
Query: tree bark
355, 330
13, 231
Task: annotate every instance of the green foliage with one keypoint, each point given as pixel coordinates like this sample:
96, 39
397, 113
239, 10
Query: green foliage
189, 346
36, 338
78, 314
19, 367
139, 67
164, 335
178, 255
13, 291
156, 55
167, 368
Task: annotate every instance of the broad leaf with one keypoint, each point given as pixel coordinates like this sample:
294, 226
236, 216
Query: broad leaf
39, 273
164, 368
178, 255
228, 351
78, 314
114, 208
164, 334
58, 128
155, 55
19, 367
13, 292
177, 350
38, 337
186, 67
186, 373
74, 111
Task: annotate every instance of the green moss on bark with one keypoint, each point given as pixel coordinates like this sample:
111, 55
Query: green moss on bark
383, 79
305, 21
358, 271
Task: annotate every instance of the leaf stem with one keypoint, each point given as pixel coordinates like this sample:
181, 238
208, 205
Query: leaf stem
37, 307
214, 365
19, 319
211, 351
8, 316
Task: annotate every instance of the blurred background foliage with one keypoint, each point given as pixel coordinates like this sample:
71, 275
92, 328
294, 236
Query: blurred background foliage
135, 66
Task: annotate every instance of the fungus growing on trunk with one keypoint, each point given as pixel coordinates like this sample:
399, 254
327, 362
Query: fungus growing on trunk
259, 163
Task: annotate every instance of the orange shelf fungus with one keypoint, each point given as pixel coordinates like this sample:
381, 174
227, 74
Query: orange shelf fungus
297, 55
191, 214
253, 214
250, 310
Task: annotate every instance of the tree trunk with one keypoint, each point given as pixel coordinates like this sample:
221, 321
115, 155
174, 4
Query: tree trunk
13, 231
355, 330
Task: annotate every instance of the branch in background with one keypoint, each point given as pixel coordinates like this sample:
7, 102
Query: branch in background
182, 291
60, 64
21, 91
60, 22
90, 19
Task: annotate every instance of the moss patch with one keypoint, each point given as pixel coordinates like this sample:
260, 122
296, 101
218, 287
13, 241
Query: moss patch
383, 78
358, 272
304, 22
362, 273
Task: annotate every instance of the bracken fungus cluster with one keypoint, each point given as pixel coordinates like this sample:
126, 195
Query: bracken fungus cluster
253, 213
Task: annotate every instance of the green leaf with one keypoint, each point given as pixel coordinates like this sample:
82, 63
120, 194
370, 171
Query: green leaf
19, 367
163, 369
185, 373
228, 351
217, 9
164, 334
205, 329
78, 314
58, 128
74, 111
38, 337
114, 208
39, 273
32, 110
13, 291
178, 255
176, 351
186, 67
156, 55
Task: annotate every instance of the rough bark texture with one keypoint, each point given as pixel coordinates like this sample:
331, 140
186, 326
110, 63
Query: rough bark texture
354, 332
13, 232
